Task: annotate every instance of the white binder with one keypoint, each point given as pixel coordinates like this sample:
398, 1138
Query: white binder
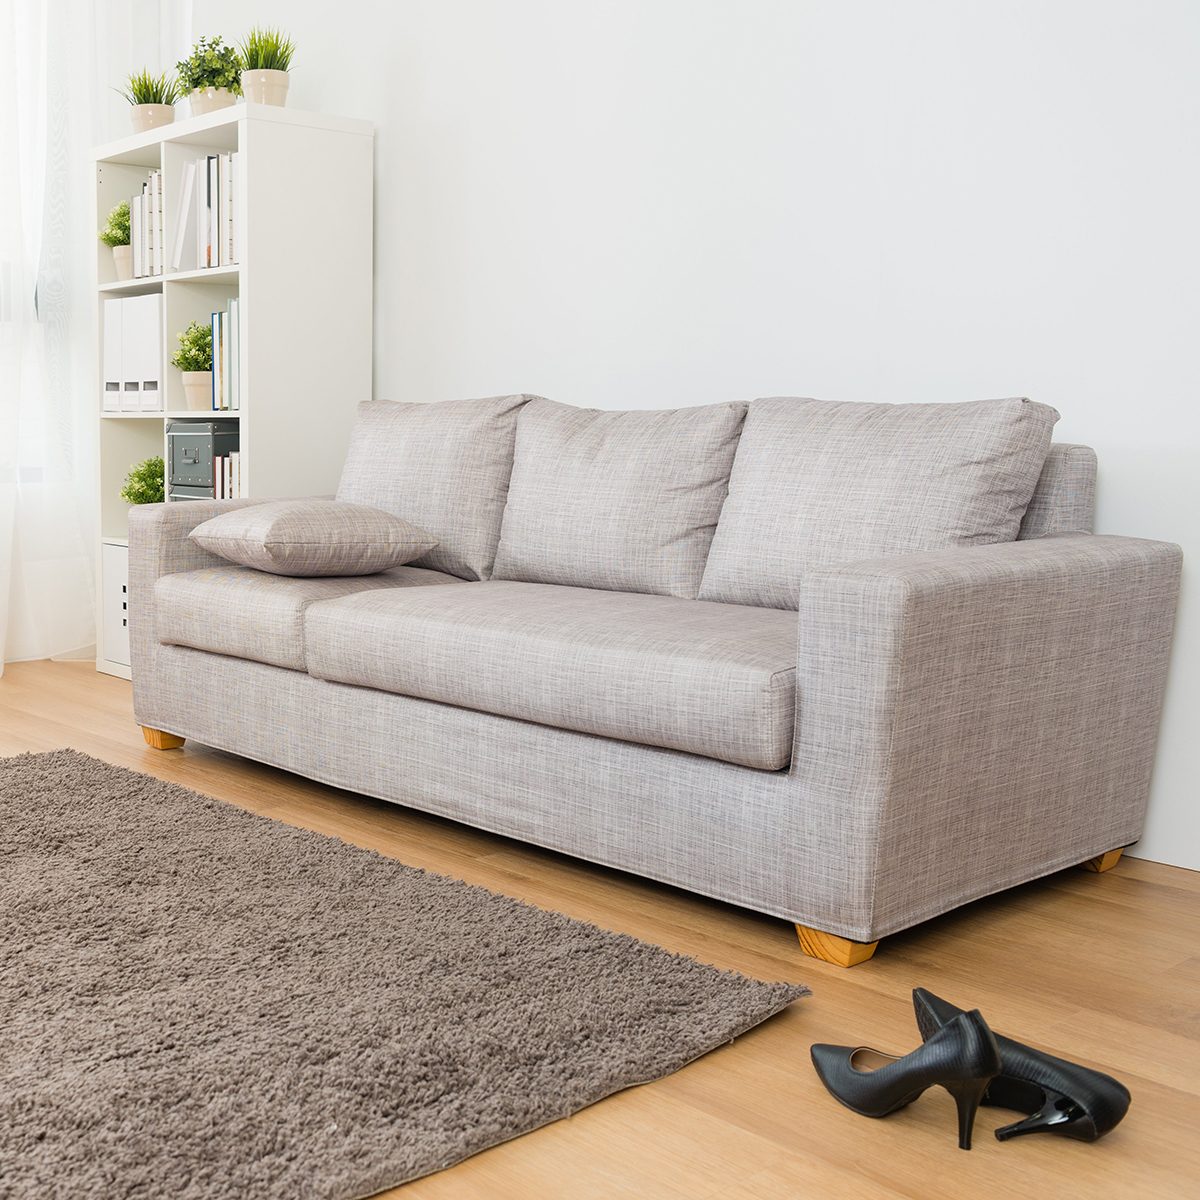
150, 352
111, 398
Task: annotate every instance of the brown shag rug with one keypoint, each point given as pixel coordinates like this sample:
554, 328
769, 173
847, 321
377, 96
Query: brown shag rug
198, 1002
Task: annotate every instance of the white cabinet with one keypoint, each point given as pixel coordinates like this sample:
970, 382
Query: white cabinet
114, 615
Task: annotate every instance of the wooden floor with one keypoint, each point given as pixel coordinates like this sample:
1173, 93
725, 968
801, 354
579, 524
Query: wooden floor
1104, 969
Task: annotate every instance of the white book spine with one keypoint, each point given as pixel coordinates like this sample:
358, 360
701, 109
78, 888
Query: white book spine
223, 207
182, 212
235, 187
145, 213
152, 227
135, 235
201, 212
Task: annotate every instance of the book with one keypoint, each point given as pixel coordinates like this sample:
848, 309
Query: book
144, 211
213, 258
159, 223
201, 181
135, 234
223, 234
235, 183
184, 214
234, 333
216, 361
224, 321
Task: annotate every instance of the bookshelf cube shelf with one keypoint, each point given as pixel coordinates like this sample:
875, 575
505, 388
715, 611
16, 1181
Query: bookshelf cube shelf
303, 282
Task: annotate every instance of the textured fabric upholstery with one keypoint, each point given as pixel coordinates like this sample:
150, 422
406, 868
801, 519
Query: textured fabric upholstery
252, 614
711, 679
969, 720
443, 467
817, 482
625, 501
1065, 498
307, 538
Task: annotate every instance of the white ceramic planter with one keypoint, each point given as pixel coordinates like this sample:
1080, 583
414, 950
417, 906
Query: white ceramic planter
197, 387
151, 116
123, 261
205, 100
265, 87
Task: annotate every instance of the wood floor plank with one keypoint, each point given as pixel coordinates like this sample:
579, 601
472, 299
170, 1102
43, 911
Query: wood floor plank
1102, 968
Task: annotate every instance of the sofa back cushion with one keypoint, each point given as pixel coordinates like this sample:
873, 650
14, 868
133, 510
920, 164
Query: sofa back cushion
1065, 498
443, 467
623, 501
817, 482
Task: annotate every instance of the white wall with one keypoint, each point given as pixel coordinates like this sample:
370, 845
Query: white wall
661, 202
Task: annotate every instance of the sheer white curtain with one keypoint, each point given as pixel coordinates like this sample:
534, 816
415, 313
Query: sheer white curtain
59, 60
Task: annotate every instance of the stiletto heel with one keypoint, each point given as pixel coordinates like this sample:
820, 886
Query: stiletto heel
962, 1057
1059, 1114
967, 1096
1061, 1097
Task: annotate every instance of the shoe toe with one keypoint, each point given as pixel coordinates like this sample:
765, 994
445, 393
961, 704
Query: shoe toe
827, 1059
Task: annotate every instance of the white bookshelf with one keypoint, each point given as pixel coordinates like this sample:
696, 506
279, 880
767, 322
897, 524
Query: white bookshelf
304, 288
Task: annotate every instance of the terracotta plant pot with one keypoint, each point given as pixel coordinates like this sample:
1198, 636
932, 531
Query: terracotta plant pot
123, 261
265, 87
151, 116
205, 100
197, 387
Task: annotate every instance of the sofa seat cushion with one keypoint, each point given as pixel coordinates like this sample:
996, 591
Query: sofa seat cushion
250, 614
710, 679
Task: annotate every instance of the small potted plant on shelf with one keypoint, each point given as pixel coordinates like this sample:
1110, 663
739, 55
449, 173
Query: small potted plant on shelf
209, 76
153, 99
194, 360
116, 234
145, 483
266, 56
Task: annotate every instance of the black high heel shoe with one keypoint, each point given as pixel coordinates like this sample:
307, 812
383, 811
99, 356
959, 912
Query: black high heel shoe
962, 1057
1061, 1097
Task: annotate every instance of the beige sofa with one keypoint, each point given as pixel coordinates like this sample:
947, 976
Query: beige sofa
851, 665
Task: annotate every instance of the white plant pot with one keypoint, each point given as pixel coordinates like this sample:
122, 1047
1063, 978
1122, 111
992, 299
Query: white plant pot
265, 87
197, 387
151, 116
206, 100
123, 261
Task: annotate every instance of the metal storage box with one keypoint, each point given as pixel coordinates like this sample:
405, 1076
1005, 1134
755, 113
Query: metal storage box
191, 447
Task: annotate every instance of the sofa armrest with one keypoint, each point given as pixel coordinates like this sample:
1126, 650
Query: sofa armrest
159, 545
962, 715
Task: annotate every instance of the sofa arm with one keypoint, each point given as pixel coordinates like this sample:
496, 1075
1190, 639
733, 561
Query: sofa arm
971, 719
159, 545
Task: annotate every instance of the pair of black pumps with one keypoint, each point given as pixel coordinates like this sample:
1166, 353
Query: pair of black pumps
960, 1053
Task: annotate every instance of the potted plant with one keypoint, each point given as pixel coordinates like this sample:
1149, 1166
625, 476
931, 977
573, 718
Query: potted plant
194, 359
153, 99
116, 234
266, 56
209, 76
145, 483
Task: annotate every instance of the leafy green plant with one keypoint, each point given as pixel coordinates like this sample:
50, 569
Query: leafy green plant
144, 88
145, 483
195, 348
116, 226
267, 50
211, 64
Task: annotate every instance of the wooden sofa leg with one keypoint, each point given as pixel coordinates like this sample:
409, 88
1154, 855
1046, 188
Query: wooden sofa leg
1103, 862
161, 740
830, 948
